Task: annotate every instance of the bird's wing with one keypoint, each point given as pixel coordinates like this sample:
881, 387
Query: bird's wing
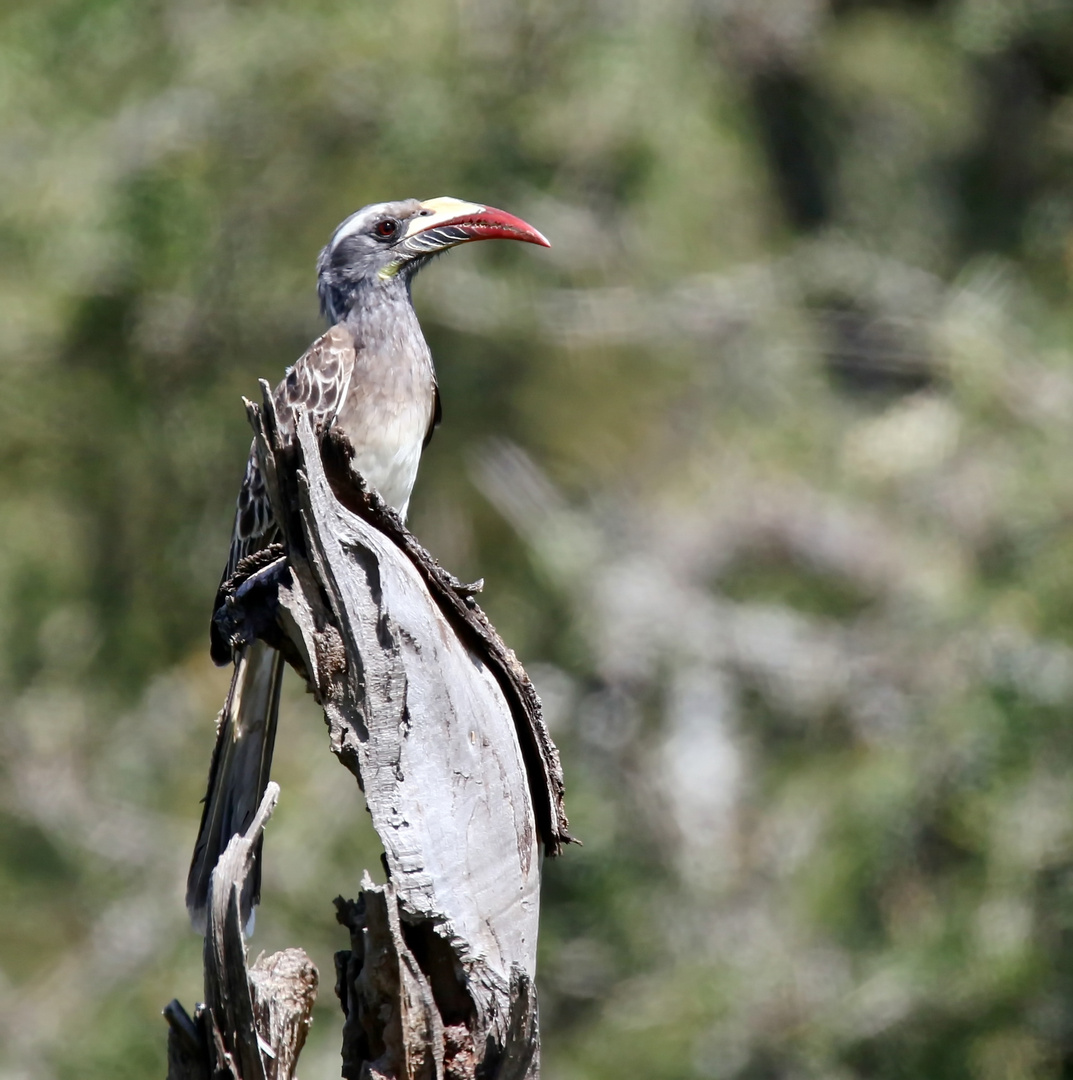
318, 382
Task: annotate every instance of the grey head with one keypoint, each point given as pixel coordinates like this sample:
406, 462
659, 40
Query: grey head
379, 248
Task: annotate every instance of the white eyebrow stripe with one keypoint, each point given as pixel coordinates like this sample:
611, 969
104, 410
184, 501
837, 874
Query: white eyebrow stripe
348, 228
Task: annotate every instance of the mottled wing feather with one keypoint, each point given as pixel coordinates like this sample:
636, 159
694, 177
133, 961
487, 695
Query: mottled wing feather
319, 382
254, 527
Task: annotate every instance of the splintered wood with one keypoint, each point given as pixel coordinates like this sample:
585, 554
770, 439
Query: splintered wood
441, 727
254, 1021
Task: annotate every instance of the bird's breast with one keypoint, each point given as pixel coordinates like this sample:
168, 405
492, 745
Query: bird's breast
386, 416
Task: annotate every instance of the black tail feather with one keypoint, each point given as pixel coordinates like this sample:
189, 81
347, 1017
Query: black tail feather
239, 773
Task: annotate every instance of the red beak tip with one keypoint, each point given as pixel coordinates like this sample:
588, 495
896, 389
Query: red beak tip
493, 224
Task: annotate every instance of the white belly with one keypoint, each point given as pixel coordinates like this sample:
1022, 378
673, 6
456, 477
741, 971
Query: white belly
388, 443
392, 470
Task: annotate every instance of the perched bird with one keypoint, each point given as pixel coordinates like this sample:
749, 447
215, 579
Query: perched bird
371, 374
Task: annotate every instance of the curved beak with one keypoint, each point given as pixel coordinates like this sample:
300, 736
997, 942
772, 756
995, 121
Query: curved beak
445, 222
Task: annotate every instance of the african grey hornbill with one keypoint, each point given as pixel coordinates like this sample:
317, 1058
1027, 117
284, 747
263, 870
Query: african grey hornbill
372, 376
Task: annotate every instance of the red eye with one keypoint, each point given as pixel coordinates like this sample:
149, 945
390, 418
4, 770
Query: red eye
387, 228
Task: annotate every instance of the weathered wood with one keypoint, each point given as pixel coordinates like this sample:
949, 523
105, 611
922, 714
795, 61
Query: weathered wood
254, 1022
283, 989
393, 1026
457, 604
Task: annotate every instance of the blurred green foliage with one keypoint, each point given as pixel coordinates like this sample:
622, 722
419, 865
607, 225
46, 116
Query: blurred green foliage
766, 464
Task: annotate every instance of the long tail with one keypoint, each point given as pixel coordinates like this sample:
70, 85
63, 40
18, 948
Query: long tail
238, 775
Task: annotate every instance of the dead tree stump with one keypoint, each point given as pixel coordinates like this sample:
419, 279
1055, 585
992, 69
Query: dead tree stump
442, 729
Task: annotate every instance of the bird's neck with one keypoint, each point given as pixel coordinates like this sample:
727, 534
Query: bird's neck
389, 409
382, 317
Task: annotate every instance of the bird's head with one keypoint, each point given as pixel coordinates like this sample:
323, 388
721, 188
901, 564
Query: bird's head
387, 243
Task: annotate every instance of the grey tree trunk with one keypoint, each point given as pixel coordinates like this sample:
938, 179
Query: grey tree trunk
442, 729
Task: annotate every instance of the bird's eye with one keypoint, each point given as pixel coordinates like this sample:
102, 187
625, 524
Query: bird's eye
387, 228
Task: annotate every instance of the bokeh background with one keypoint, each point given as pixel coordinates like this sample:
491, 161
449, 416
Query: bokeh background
767, 464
